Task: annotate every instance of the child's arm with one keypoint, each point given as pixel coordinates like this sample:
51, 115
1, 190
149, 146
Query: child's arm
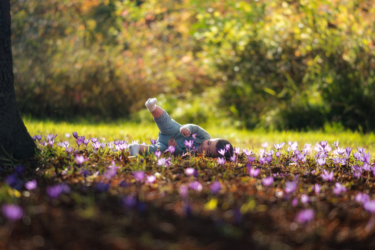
195, 129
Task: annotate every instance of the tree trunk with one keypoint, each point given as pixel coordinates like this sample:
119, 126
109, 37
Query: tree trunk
14, 138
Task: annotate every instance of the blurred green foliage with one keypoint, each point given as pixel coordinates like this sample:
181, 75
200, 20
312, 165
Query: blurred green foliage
271, 64
293, 64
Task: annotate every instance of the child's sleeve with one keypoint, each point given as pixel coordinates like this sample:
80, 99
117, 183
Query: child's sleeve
195, 129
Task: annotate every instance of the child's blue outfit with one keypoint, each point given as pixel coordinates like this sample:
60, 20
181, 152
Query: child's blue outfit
169, 127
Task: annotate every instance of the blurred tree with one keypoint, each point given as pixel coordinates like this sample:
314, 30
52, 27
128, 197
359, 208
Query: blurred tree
14, 138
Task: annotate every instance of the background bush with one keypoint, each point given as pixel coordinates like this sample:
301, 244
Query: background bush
274, 64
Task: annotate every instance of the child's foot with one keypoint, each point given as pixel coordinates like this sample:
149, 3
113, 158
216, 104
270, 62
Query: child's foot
151, 104
134, 149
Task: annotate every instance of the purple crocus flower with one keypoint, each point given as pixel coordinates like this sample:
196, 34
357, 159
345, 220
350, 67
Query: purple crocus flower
305, 216
183, 190
227, 147
305, 198
316, 188
194, 136
139, 175
254, 172
157, 154
294, 202
54, 191
189, 171
162, 162
30, 185
327, 176
94, 140
278, 154
221, 151
129, 201
215, 187
237, 150
189, 144
75, 135
195, 186
279, 146
12, 212
336, 143
267, 181
69, 150
369, 206
290, 186
362, 197
233, 158
221, 160
151, 178
265, 144
80, 159
247, 152
86, 141
339, 188
321, 161
153, 142
251, 159
171, 149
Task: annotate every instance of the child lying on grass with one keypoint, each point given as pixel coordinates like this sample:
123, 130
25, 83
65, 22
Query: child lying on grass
174, 134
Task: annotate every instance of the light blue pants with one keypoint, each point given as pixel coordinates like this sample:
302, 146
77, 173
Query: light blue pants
168, 128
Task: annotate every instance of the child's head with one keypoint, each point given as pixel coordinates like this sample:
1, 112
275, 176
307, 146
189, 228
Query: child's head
212, 146
224, 144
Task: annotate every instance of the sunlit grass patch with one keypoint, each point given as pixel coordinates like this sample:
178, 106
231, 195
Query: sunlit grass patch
240, 138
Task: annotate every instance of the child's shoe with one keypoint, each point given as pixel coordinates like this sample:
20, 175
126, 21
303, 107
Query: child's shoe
134, 149
151, 104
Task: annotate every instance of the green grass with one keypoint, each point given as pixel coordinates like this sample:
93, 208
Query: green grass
240, 138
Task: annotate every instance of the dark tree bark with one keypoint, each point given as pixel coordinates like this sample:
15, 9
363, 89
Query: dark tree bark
14, 137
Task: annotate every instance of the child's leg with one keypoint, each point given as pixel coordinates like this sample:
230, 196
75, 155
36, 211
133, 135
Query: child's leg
167, 126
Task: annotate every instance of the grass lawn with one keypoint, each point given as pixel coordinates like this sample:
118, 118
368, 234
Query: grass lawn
239, 138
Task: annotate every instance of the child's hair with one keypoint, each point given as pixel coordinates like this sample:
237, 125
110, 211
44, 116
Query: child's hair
221, 145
